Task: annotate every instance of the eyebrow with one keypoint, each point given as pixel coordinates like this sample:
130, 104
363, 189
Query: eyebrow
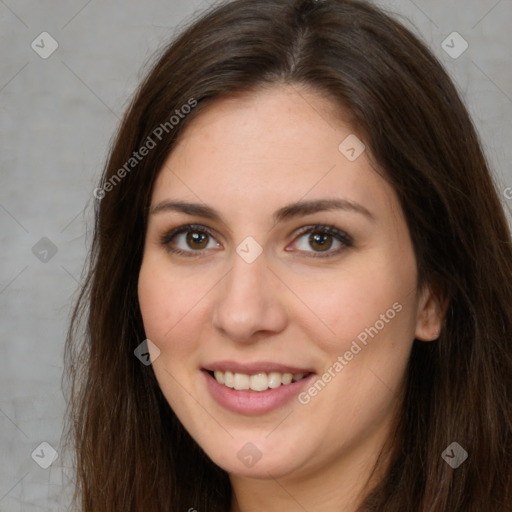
287, 212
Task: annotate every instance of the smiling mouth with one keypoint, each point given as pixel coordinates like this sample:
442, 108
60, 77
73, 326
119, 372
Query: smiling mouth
256, 382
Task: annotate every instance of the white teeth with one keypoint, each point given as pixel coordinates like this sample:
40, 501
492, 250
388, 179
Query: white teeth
286, 378
257, 382
274, 380
228, 379
241, 381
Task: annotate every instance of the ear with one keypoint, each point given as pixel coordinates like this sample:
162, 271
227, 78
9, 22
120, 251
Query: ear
432, 307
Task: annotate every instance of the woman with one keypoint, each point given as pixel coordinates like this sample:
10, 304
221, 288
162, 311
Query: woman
298, 294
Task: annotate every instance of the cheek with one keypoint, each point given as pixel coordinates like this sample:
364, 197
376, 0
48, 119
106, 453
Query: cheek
166, 301
372, 295
372, 311
171, 323
154, 303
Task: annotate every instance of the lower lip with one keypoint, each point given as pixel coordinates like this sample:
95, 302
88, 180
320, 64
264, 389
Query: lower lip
254, 402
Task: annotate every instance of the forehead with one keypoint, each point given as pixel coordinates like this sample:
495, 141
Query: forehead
266, 148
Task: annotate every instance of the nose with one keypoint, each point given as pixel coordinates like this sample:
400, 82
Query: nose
249, 303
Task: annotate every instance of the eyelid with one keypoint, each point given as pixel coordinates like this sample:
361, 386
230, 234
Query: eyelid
344, 238
326, 228
184, 228
168, 236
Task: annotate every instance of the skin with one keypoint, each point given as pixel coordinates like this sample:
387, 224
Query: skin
247, 156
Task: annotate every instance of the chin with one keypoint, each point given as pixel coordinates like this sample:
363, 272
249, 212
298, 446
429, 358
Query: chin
257, 458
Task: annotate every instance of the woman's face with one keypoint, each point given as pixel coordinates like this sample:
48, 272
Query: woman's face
263, 293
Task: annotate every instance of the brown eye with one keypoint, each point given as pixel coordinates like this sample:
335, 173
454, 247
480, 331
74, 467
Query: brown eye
320, 241
315, 240
196, 240
189, 240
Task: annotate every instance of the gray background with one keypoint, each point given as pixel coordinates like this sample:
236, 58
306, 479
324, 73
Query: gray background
57, 116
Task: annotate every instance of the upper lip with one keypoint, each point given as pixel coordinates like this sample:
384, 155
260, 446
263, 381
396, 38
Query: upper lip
255, 367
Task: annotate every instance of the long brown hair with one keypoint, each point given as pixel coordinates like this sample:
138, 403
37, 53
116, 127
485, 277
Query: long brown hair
132, 453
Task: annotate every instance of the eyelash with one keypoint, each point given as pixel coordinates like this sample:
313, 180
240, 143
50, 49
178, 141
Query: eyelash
339, 235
